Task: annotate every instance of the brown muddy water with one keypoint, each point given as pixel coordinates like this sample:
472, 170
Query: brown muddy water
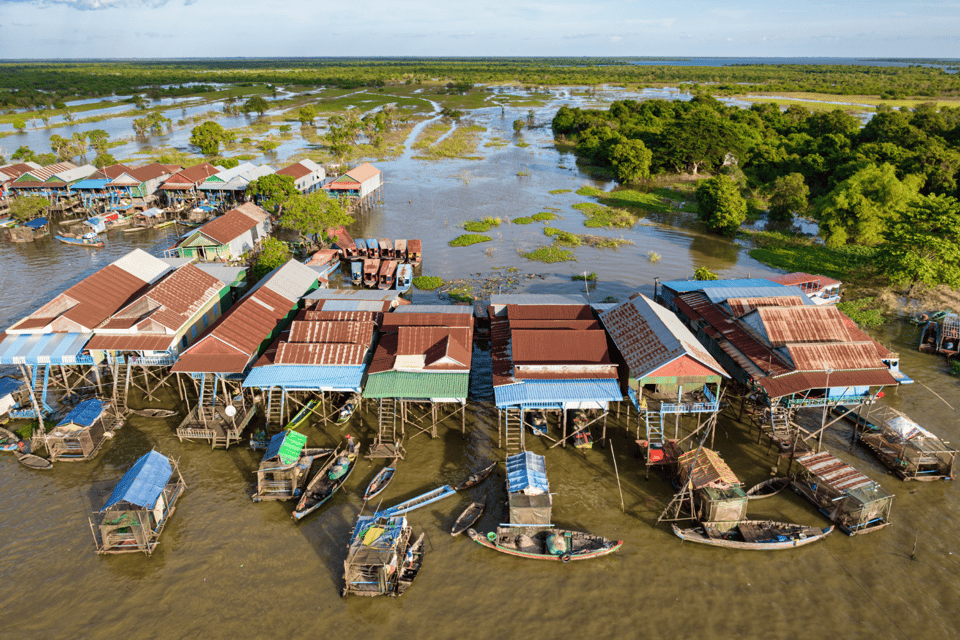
228, 568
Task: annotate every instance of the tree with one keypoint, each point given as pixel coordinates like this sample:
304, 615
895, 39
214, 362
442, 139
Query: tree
517, 125
104, 160
702, 273
788, 196
342, 132
99, 140
307, 114
859, 208
702, 137
313, 214
273, 190
630, 160
273, 253
61, 146
208, 137
720, 205
256, 104
19, 124
24, 154
923, 245
78, 144
28, 207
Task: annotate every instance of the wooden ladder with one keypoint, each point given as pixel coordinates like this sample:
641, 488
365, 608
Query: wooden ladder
654, 422
275, 407
513, 431
387, 422
780, 424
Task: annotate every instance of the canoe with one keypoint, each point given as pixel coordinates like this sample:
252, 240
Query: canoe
583, 439
754, 535
470, 515
8, 440
476, 478
767, 488
322, 486
348, 409
34, 462
410, 569
81, 242
154, 413
302, 415
569, 545
380, 481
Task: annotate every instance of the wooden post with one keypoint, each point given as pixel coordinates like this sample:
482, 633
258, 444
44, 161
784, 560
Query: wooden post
499, 429
623, 508
96, 376
463, 420
563, 416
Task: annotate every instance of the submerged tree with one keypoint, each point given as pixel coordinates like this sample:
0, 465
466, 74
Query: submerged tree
788, 196
208, 137
314, 213
631, 161
720, 205
28, 207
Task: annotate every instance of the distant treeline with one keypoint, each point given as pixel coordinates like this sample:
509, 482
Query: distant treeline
30, 84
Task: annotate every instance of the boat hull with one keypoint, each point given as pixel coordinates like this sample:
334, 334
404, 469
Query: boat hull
603, 546
306, 506
801, 537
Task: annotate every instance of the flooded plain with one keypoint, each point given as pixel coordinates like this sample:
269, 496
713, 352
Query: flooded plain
227, 567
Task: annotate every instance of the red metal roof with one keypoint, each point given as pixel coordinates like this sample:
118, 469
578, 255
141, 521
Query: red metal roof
15, 171
834, 356
115, 170
127, 342
320, 353
342, 316
295, 171
740, 306
322, 257
419, 340
203, 363
392, 321
101, 294
784, 325
556, 347
549, 312
332, 331
228, 227
575, 325
500, 349
798, 278
189, 177
180, 295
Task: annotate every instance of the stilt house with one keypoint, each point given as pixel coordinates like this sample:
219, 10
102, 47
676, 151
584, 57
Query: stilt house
360, 185
307, 175
182, 188
227, 237
82, 432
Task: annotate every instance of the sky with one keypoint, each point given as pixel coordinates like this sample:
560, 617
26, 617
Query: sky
72, 29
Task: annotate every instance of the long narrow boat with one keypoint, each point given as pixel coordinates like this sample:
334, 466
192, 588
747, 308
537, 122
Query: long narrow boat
420, 501
476, 478
371, 267
546, 544
404, 277
154, 413
768, 488
388, 274
349, 408
411, 566
89, 243
380, 481
323, 485
300, 419
361, 249
356, 272
414, 254
400, 250
32, 461
386, 248
373, 248
754, 535
470, 515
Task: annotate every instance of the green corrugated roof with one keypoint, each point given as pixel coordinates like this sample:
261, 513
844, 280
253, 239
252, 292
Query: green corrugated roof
414, 384
292, 446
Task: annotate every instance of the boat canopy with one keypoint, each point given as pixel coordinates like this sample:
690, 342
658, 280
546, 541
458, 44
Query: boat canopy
84, 414
143, 483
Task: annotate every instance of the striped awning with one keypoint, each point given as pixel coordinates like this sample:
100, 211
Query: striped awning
538, 393
43, 348
305, 377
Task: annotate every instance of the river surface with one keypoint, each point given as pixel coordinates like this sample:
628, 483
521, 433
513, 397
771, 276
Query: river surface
229, 568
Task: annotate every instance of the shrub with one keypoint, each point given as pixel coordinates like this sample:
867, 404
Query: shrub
523, 220
860, 312
653, 256
590, 277
702, 273
427, 283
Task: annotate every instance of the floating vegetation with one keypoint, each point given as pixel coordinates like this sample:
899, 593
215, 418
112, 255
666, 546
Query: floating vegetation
558, 191
522, 143
544, 216
427, 283
522, 173
479, 226
702, 273
861, 312
567, 239
588, 277
611, 300
550, 254
653, 256
599, 215
563, 238
468, 239
523, 220
461, 293
499, 143
587, 190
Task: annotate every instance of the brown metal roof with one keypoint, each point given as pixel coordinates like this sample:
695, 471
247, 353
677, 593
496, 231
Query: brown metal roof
834, 356
14, 171
229, 226
555, 347
799, 382
115, 170
500, 349
549, 312
177, 297
802, 324
342, 316
331, 331
295, 171
419, 340
576, 325
857, 335
392, 321
203, 363
101, 294
189, 177
153, 170
740, 306
127, 342
320, 353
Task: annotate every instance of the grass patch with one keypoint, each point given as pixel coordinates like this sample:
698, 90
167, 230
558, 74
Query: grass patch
558, 191
523, 220
430, 135
544, 216
499, 143
522, 143
590, 277
562, 238
427, 283
26, 431
479, 226
550, 254
468, 239
462, 143
805, 254
587, 190
862, 312
599, 216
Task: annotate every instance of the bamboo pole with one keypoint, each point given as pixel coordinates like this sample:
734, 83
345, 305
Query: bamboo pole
623, 508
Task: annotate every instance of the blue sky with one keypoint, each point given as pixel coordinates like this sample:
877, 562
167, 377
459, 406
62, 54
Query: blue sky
183, 28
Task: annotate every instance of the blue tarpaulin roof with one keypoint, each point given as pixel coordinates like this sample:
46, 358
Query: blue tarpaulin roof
153, 212
319, 378
143, 483
85, 413
36, 223
526, 471
538, 392
686, 286
42, 348
90, 184
9, 385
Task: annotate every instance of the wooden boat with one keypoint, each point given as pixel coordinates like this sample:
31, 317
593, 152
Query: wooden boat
356, 272
386, 248
404, 277
32, 461
476, 478
420, 501
188, 224
754, 535
768, 488
583, 439
410, 569
470, 515
323, 485
380, 481
414, 254
154, 413
371, 267
8, 440
361, 245
89, 243
349, 408
373, 248
546, 543
301, 418
388, 274
400, 250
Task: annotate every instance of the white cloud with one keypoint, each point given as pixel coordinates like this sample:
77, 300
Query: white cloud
615, 38
92, 5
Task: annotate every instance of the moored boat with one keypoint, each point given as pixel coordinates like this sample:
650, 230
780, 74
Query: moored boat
386, 248
325, 483
414, 253
412, 563
404, 277
356, 272
301, 418
476, 478
400, 250
361, 253
388, 274
84, 241
154, 413
768, 488
348, 408
546, 544
470, 515
380, 481
32, 461
373, 248
371, 267
8, 440
754, 535
380, 556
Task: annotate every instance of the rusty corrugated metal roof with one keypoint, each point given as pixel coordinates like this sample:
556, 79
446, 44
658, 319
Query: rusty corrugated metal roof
576, 325
392, 321
549, 312
179, 296
127, 342
740, 306
834, 472
797, 382
784, 325
341, 316
229, 226
798, 278
555, 347
320, 353
331, 331
834, 356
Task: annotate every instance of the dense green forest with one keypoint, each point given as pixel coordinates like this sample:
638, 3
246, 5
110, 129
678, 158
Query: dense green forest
891, 184
35, 84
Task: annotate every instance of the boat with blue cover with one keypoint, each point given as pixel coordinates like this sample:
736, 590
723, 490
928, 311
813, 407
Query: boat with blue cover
404, 277
356, 272
89, 240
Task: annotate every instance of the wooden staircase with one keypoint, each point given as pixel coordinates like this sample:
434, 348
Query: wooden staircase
275, 405
513, 440
386, 444
654, 424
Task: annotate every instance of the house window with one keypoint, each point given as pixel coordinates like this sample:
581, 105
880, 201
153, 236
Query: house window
193, 330
183, 342
204, 321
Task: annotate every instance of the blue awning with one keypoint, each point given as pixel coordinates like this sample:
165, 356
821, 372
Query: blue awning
36, 223
536, 393
527, 472
90, 184
143, 483
84, 414
308, 377
44, 348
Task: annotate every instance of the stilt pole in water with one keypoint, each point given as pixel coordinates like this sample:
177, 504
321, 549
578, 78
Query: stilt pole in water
623, 508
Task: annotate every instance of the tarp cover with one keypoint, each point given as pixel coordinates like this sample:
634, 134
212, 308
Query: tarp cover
9, 385
906, 428
287, 445
144, 482
36, 223
85, 413
527, 472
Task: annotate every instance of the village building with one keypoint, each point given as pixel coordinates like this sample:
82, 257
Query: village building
135, 188
81, 433
307, 175
359, 186
229, 186
381, 300
421, 366
226, 237
533, 378
820, 289
224, 354
183, 187
35, 181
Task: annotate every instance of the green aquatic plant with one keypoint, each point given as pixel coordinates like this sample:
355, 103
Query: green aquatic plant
544, 216
427, 283
559, 191
468, 239
479, 226
550, 254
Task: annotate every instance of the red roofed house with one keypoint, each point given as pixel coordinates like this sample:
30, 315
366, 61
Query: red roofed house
820, 289
227, 237
360, 184
182, 187
307, 175
141, 183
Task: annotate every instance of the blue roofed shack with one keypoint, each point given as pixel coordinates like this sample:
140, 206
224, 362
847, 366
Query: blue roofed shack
82, 432
530, 501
